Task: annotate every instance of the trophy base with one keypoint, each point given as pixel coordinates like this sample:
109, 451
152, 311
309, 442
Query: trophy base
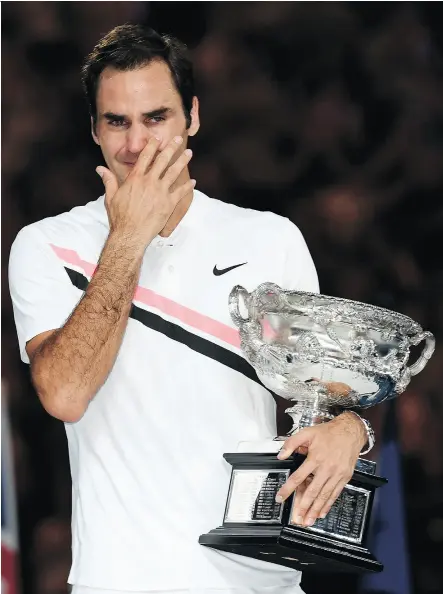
292, 548
255, 525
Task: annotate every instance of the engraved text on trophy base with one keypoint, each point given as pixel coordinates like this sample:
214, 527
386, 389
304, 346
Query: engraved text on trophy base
346, 519
252, 494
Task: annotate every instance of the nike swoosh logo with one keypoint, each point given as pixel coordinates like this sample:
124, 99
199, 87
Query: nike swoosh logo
218, 272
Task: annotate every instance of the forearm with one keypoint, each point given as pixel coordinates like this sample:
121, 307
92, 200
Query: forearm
73, 363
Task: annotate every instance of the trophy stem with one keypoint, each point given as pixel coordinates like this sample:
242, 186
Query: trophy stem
305, 416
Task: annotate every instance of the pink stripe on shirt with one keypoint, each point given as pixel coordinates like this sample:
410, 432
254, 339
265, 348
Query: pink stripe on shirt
171, 308
71, 257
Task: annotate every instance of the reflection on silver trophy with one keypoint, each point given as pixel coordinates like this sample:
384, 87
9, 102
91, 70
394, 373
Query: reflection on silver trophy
325, 353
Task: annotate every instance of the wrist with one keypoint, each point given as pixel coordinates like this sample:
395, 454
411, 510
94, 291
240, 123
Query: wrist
130, 243
366, 433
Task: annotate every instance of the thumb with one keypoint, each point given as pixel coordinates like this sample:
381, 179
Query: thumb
109, 181
300, 439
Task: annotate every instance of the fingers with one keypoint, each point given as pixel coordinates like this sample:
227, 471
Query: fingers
301, 439
162, 161
312, 493
109, 181
175, 170
147, 155
298, 495
313, 501
333, 498
295, 480
181, 192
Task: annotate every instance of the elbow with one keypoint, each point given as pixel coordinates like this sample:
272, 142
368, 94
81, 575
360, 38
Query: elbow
65, 404
66, 413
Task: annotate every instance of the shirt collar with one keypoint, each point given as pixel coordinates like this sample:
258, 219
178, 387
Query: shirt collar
189, 221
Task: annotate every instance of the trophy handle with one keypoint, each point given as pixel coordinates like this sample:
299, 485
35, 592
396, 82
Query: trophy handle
405, 378
427, 352
234, 304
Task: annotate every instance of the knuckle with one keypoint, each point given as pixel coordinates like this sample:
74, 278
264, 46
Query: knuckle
312, 494
334, 466
322, 497
291, 483
316, 507
294, 480
164, 157
318, 458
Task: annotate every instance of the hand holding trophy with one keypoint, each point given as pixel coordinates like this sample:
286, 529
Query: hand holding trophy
326, 355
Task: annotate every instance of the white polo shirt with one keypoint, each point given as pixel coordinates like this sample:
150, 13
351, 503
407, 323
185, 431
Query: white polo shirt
146, 459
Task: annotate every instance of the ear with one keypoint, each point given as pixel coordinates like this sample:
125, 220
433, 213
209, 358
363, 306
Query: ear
195, 118
94, 135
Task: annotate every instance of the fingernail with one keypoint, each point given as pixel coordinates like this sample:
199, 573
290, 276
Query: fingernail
100, 173
178, 139
193, 182
323, 516
188, 152
279, 499
282, 454
157, 138
310, 521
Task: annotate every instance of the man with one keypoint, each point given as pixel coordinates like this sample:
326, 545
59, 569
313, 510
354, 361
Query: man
121, 311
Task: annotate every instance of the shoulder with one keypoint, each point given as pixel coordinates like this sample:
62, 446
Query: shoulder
66, 227
250, 222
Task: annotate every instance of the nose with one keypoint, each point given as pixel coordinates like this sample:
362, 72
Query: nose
137, 138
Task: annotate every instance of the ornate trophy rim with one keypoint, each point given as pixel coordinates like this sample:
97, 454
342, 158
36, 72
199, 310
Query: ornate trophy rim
401, 318
403, 322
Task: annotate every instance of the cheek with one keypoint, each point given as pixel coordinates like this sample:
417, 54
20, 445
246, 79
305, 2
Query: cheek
110, 144
111, 148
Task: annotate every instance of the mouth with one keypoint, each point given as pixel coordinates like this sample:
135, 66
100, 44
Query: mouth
128, 164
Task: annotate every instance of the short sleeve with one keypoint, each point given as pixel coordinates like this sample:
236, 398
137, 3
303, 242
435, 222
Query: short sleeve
43, 296
299, 273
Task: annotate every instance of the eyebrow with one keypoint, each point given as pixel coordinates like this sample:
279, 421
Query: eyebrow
109, 115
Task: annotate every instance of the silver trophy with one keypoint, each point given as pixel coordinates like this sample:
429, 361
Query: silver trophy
326, 355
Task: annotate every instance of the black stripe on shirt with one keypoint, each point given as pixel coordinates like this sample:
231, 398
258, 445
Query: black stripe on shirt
179, 334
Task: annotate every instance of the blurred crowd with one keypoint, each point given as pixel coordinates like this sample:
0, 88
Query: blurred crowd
328, 113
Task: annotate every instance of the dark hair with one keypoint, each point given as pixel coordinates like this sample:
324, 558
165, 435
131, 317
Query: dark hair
129, 47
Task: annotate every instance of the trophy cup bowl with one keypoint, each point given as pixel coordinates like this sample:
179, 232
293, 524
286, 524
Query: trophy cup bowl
325, 355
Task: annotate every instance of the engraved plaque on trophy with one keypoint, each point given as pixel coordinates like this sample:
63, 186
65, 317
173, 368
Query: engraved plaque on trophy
326, 355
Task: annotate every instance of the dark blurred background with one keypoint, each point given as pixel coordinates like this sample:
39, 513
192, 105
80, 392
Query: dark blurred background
329, 113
